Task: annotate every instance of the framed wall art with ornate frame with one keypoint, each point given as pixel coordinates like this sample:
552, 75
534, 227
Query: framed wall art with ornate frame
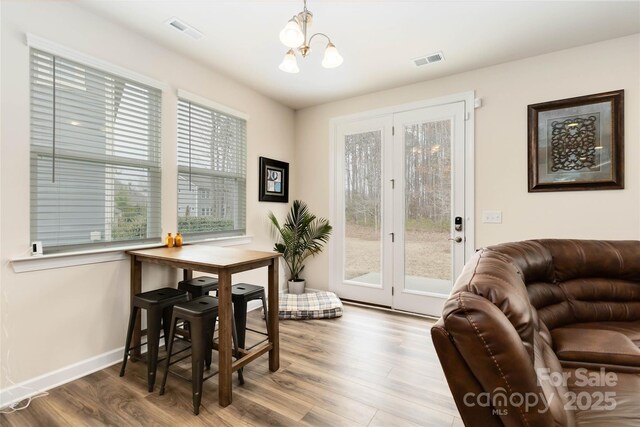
274, 181
577, 143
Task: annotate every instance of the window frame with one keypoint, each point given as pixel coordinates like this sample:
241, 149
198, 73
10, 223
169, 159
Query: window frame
152, 165
204, 103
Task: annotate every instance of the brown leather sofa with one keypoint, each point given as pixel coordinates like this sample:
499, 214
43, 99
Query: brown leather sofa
545, 333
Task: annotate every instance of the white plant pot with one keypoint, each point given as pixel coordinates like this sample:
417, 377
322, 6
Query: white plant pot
296, 287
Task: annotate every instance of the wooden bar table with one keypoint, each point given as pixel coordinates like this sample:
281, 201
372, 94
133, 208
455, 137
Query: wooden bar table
224, 262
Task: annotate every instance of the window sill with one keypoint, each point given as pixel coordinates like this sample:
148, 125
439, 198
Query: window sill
26, 264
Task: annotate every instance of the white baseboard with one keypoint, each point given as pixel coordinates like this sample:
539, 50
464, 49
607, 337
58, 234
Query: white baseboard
254, 305
25, 389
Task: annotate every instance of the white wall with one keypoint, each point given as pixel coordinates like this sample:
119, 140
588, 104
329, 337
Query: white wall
53, 318
501, 144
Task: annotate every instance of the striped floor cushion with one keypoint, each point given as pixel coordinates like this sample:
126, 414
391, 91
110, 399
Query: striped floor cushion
317, 305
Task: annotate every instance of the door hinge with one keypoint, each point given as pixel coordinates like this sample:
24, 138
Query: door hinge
393, 237
393, 184
393, 130
392, 290
467, 116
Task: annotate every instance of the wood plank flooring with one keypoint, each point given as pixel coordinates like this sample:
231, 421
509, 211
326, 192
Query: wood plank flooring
368, 368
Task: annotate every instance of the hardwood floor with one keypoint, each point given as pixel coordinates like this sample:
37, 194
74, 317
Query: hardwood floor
368, 368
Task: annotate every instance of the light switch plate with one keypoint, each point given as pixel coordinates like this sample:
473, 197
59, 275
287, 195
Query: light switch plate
492, 217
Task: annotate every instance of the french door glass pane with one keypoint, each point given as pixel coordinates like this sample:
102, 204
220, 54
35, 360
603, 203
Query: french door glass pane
427, 250
362, 193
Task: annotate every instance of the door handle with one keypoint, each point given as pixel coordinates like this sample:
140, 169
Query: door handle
456, 239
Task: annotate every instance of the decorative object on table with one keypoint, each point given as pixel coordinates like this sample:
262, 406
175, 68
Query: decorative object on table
316, 305
294, 35
178, 240
300, 236
169, 241
274, 181
577, 143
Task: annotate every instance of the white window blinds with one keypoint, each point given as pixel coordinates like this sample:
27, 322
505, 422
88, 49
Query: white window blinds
211, 171
95, 156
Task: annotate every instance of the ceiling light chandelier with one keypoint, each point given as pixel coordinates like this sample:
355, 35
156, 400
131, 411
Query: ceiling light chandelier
294, 35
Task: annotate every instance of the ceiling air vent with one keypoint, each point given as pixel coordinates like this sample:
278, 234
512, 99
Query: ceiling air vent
432, 58
184, 28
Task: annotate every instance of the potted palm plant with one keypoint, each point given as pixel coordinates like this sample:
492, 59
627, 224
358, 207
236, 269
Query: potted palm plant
300, 236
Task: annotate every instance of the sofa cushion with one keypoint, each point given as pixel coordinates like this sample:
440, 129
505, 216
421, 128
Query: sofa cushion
603, 300
595, 346
574, 281
574, 259
630, 329
551, 304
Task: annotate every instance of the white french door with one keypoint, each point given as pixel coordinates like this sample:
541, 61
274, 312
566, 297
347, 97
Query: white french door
428, 250
365, 263
400, 207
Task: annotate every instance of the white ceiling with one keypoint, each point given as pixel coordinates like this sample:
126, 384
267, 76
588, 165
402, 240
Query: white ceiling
377, 39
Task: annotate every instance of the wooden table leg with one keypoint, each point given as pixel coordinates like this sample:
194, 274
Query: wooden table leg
136, 288
187, 274
274, 331
224, 338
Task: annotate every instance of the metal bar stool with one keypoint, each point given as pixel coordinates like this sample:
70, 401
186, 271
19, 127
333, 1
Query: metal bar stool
241, 294
199, 286
158, 305
201, 313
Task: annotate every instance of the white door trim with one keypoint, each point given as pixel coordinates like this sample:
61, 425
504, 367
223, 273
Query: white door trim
470, 207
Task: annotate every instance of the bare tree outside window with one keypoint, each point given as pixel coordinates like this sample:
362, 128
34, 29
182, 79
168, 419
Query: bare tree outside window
362, 180
427, 200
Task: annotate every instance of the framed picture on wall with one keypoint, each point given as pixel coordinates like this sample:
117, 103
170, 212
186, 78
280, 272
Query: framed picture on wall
274, 181
577, 143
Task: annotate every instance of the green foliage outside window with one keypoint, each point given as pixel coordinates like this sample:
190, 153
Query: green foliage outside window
203, 224
130, 220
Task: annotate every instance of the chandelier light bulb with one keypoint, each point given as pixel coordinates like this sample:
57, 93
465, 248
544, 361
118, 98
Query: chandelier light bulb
291, 35
295, 35
289, 64
332, 58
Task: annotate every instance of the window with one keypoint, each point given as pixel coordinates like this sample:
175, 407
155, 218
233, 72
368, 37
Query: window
95, 156
211, 171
